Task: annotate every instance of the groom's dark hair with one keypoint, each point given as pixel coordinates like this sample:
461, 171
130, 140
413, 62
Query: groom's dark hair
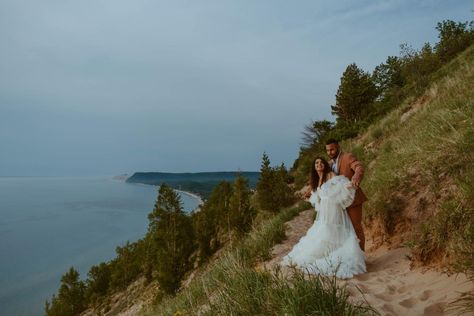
332, 141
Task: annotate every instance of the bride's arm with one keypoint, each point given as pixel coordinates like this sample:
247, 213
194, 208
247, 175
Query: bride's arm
314, 199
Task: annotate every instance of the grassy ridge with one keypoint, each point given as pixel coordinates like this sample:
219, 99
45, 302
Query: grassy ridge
231, 285
420, 181
421, 165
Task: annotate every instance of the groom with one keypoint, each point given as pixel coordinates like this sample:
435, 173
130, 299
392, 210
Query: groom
346, 164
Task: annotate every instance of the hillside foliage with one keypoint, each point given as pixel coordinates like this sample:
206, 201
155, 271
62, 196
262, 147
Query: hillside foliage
418, 151
273, 191
174, 243
363, 99
409, 121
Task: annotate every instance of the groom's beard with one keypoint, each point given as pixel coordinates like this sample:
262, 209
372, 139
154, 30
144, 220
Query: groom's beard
335, 156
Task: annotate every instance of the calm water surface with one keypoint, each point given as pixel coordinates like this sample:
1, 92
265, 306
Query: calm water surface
50, 224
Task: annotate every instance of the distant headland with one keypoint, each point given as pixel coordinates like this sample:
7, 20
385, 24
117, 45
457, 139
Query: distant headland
200, 183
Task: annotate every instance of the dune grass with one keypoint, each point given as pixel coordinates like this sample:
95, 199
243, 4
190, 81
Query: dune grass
432, 148
430, 151
232, 285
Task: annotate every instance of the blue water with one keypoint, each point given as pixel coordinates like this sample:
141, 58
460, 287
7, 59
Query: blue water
50, 224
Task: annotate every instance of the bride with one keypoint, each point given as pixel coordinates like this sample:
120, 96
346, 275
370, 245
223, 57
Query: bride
330, 247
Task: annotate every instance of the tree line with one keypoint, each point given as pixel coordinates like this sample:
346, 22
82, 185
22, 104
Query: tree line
362, 97
176, 242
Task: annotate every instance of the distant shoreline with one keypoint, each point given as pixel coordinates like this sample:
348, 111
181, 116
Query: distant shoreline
194, 195
199, 183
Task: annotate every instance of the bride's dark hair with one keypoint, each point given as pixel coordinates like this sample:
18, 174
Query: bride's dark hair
314, 177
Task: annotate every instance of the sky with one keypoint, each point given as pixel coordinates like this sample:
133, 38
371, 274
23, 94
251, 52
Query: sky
105, 87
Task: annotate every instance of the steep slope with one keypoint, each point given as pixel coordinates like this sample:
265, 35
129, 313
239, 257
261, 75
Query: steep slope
390, 285
420, 168
419, 218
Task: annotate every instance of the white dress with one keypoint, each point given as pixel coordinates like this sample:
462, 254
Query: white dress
331, 245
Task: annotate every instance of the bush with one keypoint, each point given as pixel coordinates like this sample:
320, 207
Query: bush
273, 190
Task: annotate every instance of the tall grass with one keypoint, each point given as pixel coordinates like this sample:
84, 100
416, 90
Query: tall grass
231, 285
429, 149
432, 151
270, 292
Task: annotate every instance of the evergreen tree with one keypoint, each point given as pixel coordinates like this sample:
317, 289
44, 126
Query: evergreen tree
273, 191
205, 231
265, 185
241, 213
284, 194
127, 265
218, 206
149, 257
172, 236
71, 296
453, 38
355, 95
213, 221
417, 67
98, 281
388, 76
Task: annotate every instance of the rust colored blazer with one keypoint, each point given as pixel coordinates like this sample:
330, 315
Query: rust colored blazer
350, 167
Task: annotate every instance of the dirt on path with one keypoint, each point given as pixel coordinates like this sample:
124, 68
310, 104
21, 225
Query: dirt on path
390, 285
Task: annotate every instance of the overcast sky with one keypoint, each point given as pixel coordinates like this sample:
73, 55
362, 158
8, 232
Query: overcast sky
103, 87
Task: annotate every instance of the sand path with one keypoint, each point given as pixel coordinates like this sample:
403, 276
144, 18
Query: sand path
390, 285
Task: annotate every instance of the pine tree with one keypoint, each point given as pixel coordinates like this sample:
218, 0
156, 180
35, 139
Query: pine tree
172, 236
284, 194
213, 221
265, 185
218, 206
98, 281
71, 296
205, 232
388, 76
273, 191
127, 265
355, 95
241, 213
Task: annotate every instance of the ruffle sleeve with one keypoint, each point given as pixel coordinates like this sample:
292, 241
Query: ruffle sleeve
340, 193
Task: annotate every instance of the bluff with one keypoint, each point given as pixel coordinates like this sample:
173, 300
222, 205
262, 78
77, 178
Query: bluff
419, 178
200, 183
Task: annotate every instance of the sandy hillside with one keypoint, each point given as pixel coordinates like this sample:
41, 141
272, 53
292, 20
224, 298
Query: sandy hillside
390, 286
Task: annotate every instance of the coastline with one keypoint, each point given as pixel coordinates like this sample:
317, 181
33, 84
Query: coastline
191, 194
194, 195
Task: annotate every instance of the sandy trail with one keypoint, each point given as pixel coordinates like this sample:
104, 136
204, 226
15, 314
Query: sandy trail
390, 285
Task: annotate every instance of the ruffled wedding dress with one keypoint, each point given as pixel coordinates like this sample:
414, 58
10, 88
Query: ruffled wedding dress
331, 245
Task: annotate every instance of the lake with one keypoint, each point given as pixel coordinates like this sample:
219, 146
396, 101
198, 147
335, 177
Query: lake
50, 224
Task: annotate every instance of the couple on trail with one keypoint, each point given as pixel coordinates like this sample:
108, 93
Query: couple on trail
335, 242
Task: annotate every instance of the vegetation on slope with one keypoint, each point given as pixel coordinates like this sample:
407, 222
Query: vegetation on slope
175, 242
419, 156
231, 285
363, 99
413, 121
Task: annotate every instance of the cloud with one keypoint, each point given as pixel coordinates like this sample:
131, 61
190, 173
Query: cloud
146, 84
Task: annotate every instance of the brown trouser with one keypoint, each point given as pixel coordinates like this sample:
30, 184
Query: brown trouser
355, 214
